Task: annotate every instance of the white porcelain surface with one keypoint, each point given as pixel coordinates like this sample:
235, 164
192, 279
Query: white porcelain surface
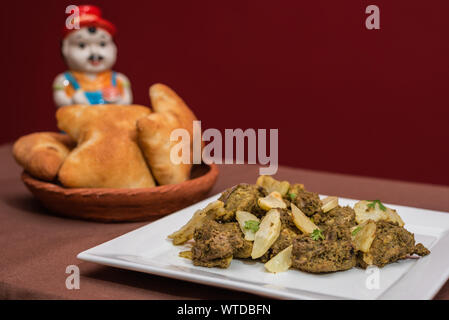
148, 250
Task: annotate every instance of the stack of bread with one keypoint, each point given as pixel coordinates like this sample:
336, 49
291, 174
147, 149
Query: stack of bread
110, 146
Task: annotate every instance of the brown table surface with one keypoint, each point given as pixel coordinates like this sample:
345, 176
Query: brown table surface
36, 247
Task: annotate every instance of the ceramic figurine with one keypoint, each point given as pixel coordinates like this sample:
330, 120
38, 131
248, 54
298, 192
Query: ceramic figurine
90, 53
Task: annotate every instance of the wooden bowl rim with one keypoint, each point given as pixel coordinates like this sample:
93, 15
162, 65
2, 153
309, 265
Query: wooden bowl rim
51, 187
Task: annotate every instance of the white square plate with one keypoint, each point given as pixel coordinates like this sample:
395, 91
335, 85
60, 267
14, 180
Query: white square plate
148, 250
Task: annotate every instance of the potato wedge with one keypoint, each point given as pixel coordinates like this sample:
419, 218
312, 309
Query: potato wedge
186, 254
186, 232
368, 258
374, 210
242, 218
268, 232
272, 201
329, 203
280, 262
363, 235
302, 221
270, 184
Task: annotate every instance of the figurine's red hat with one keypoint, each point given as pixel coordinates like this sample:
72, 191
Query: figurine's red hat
90, 16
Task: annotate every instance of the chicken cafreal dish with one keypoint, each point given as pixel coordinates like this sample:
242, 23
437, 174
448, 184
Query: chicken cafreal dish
285, 226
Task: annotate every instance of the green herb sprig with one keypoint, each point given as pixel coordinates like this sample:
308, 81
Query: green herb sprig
372, 204
355, 231
252, 225
317, 234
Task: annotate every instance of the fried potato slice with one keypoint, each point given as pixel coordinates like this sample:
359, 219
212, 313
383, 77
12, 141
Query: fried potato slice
302, 221
269, 230
242, 218
186, 254
363, 235
186, 232
273, 200
368, 258
329, 203
374, 210
270, 184
280, 262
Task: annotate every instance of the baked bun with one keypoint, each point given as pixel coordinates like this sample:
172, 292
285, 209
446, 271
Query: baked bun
107, 154
170, 113
42, 153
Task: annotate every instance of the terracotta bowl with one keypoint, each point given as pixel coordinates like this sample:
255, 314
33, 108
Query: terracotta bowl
115, 205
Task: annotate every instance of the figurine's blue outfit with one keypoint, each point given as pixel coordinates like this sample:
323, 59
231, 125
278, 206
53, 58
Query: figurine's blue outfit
94, 97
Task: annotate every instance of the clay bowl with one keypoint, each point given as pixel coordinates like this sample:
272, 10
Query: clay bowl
117, 205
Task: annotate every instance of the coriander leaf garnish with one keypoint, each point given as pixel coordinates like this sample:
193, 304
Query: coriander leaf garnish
292, 196
317, 235
252, 225
372, 204
355, 231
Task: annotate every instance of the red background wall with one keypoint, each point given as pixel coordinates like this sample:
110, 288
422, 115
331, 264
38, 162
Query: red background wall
344, 98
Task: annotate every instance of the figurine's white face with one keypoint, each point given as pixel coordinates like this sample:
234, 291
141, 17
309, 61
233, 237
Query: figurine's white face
89, 50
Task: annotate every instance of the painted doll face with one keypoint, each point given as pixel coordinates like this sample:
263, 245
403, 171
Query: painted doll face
89, 49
